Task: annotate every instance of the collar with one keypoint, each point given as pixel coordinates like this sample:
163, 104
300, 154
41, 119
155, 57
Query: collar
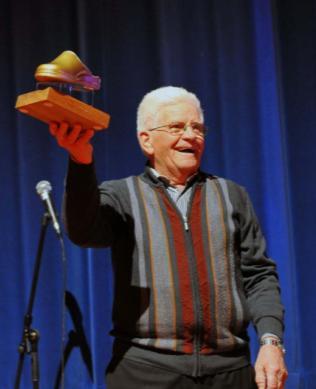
166, 181
152, 176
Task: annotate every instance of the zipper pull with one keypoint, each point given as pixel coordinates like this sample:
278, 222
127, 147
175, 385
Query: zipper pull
186, 224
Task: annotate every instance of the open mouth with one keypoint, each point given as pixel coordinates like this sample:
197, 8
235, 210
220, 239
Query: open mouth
187, 151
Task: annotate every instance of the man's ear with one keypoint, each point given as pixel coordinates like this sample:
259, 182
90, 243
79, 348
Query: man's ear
145, 143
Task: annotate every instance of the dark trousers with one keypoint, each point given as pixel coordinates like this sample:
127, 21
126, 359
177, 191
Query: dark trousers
129, 374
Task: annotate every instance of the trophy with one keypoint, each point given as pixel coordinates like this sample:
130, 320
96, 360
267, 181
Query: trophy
52, 100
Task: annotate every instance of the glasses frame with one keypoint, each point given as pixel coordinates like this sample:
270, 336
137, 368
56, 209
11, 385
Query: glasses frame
186, 125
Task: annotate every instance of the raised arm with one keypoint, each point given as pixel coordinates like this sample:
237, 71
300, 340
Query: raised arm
89, 212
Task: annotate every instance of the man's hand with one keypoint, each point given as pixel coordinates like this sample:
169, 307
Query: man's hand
270, 368
75, 140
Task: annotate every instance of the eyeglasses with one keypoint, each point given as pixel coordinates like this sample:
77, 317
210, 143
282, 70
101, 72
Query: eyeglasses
178, 128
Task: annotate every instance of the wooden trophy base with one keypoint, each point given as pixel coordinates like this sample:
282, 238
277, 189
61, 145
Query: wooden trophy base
48, 105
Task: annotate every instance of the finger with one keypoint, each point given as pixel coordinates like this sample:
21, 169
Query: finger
61, 133
86, 136
74, 134
53, 128
272, 381
260, 379
282, 378
63, 128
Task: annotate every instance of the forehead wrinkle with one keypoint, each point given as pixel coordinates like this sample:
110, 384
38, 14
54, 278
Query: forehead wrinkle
176, 112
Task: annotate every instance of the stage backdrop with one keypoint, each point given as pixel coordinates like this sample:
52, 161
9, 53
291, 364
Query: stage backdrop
252, 63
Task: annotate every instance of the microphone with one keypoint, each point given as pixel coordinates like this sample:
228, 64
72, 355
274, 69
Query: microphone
43, 188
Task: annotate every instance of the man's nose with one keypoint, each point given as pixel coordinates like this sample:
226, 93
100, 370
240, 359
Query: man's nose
188, 132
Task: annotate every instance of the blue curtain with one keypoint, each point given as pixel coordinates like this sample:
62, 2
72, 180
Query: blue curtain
251, 62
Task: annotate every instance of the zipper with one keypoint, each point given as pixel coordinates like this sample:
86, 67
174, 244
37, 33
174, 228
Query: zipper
197, 305
185, 222
195, 285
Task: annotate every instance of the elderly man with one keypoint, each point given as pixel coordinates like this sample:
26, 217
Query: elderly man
188, 255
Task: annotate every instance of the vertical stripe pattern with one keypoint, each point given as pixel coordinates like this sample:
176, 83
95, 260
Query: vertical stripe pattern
139, 253
157, 261
218, 249
183, 274
202, 270
239, 309
194, 303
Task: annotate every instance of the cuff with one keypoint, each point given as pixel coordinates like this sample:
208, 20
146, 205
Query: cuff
269, 324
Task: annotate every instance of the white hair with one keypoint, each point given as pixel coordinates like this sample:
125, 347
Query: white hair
153, 101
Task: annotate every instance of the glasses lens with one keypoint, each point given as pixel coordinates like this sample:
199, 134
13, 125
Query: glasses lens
199, 128
176, 128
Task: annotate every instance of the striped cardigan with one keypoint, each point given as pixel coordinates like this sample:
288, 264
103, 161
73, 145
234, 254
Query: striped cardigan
186, 285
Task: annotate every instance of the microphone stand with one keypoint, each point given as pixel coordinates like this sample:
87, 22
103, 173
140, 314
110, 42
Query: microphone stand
30, 336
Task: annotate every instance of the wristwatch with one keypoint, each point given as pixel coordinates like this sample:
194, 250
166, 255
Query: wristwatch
273, 341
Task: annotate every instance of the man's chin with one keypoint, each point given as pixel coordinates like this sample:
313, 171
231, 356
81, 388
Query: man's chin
189, 162
188, 168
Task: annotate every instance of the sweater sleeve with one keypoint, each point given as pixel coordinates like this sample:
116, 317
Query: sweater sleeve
90, 213
260, 277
